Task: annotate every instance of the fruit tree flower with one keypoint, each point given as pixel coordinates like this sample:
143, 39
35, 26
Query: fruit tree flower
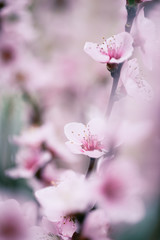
71, 195
28, 160
87, 139
13, 225
118, 192
115, 49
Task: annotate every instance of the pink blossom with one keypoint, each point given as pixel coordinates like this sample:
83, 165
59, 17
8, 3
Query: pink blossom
119, 191
115, 49
28, 161
35, 137
70, 195
86, 140
96, 225
13, 225
51, 174
133, 82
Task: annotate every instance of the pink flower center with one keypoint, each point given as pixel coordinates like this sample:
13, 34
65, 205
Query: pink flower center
11, 228
7, 54
91, 143
113, 189
31, 163
113, 50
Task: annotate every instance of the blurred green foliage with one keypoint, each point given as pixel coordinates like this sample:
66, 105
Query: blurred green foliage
11, 122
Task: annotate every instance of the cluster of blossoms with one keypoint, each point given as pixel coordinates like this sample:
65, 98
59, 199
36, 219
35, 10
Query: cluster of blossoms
85, 178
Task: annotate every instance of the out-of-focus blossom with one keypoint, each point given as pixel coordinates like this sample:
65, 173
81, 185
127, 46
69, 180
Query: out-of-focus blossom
13, 225
144, 34
66, 198
10, 50
33, 137
36, 137
28, 162
50, 173
96, 226
30, 212
118, 191
86, 140
115, 49
133, 83
15, 27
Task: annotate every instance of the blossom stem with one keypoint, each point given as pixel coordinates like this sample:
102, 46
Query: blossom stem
91, 166
131, 13
115, 74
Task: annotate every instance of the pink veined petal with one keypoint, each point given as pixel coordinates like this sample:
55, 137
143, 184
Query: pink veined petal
141, 91
127, 46
93, 50
135, 86
75, 132
123, 44
130, 70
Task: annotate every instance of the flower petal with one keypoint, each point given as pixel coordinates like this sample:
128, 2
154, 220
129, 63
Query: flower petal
94, 153
75, 132
97, 127
93, 50
74, 147
134, 84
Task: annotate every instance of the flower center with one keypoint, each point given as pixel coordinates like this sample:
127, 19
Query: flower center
113, 189
111, 48
91, 143
31, 163
7, 54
